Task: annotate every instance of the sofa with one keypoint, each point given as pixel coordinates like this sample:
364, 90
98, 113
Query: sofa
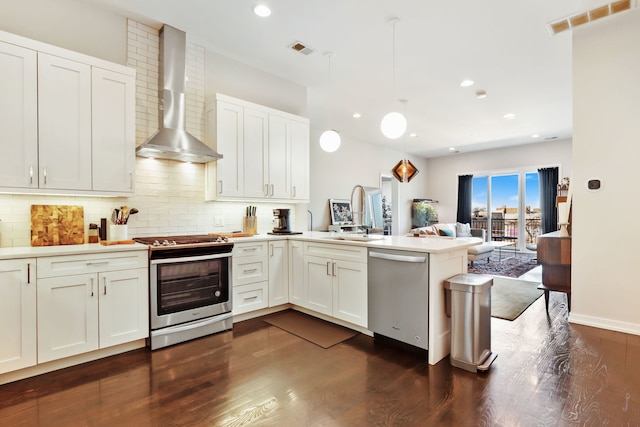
481, 251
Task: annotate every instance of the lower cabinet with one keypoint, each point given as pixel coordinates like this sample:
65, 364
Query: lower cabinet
250, 266
278, 272
79, 313
335, 284
17, 314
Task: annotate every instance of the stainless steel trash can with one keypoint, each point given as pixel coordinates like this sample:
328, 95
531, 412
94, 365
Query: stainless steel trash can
468, 303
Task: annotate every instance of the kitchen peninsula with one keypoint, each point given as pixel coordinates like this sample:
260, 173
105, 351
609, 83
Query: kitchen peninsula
446, 258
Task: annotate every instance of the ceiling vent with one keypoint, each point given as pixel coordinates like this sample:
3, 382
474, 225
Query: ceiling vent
302, 48
573, 21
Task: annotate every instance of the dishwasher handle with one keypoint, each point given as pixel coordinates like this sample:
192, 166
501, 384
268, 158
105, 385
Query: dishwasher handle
400, 258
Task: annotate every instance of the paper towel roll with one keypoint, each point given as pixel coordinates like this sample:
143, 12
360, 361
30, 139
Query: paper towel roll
563, 213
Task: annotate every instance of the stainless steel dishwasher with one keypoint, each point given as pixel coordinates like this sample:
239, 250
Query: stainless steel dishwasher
399, 295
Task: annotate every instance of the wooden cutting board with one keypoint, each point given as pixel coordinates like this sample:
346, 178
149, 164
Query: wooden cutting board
53, 225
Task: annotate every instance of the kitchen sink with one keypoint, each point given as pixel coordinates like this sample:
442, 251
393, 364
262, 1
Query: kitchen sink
359, 237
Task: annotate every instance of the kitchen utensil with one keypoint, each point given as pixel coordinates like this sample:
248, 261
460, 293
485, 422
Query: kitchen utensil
53, 225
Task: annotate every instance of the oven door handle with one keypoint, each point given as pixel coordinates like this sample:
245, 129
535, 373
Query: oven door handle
192, 258
191, 325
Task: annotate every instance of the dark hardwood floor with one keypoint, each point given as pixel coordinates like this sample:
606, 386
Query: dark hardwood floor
547, 373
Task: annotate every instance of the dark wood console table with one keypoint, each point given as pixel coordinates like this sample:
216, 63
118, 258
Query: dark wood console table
554, 254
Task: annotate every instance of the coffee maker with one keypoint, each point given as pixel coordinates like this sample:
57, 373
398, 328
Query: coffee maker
281, 220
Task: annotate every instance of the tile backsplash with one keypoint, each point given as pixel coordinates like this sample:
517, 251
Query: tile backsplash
169, 196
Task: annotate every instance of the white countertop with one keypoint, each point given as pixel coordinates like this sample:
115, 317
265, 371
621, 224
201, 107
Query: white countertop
418, 244
89, 248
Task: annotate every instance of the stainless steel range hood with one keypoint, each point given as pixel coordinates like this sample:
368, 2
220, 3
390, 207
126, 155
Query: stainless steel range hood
172, 141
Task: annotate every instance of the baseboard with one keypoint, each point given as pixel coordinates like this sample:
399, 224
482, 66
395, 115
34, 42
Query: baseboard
599, 322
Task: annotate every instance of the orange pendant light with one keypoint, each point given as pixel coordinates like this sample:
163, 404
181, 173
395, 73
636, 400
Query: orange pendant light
404, 171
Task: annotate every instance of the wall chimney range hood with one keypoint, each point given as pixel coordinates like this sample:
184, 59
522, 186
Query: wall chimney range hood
172, 141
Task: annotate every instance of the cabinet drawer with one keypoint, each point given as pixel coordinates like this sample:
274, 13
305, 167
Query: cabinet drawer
343, 252
250, 270
250, 297
250, 249
93, 263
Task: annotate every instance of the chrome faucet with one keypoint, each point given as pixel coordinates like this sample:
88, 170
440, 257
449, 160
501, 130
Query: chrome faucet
361, 206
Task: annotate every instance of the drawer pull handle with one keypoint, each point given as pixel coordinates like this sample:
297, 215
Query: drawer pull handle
251, 298
250, 270
97, 262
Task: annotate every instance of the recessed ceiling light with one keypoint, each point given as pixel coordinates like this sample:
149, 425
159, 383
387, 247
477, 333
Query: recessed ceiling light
262, 10
357, 115
466, 83
535, 135
481, 94
413, 134
452, 148
509, 116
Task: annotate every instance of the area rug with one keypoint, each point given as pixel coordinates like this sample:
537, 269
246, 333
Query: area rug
514, 267
316, 331
511, 297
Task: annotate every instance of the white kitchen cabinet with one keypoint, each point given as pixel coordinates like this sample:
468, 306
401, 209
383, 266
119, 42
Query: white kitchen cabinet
17, 314
335, 278
64, 123
297, 290
18, 117
70, 119
113, 131
256, 156
250, 265
299, 161
259, 145
278, 272
104, 305
279, 157
225, 131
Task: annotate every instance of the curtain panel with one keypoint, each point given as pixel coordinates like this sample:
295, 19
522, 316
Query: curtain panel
548, 179
465, 184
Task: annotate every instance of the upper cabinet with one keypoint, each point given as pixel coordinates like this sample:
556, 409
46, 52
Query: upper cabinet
68, 121
266, 153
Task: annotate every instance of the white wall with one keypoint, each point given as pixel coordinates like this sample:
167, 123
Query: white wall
606, 146
71, 24
333, 176
442, 176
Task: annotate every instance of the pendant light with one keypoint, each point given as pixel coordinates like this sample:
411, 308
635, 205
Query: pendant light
330, 139
394, 124
404, 170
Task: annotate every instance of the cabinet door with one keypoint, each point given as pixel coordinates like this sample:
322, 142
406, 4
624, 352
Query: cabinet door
18, 117
278, 273
67, 316
297, 288
279, 157
124, 306
113, 131
299, 160
64, 120
229, 137
318, 281
350, 292
17, 314
256, 135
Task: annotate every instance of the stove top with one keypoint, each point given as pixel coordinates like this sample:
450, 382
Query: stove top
187, 240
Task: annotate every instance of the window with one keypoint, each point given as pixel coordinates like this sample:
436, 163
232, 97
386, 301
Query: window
507, 205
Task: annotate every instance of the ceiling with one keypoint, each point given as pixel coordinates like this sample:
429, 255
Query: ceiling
502, 45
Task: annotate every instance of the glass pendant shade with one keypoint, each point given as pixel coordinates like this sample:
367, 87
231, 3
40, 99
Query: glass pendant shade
404, 171
393, 125
330, 141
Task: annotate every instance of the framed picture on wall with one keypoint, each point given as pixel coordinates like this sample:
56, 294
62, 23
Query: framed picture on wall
340, 212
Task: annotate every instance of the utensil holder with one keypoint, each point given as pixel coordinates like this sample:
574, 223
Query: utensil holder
118, 232
250, 225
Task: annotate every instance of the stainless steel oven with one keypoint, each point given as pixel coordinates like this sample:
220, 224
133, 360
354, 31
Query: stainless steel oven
189, 288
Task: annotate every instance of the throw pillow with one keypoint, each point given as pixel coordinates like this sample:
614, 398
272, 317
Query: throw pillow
463, 230
445, 232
